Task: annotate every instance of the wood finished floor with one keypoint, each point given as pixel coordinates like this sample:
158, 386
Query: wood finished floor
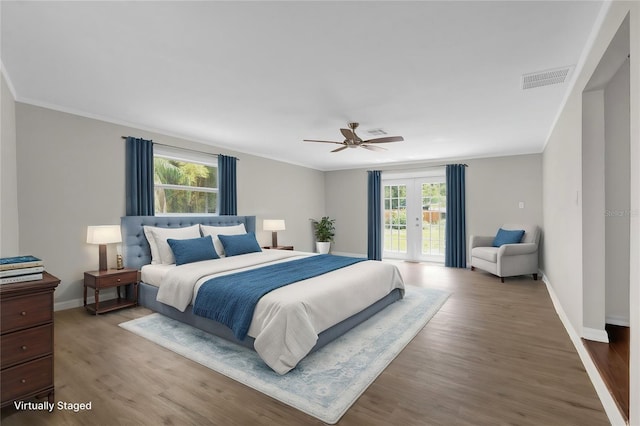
612, 361
495, 354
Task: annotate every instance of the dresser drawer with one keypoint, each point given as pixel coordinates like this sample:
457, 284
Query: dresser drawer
27, 378
25, 345
26, 311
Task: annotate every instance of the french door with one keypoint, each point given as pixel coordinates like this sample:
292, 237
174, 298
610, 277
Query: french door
414, 218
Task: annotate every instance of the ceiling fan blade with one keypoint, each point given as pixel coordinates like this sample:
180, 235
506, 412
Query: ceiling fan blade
340, 149
313, 140
347, 133
374, 148
386, 139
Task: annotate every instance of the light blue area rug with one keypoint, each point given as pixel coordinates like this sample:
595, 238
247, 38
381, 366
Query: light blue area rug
327, 382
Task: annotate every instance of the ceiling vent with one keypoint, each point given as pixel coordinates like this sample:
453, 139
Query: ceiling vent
545, 78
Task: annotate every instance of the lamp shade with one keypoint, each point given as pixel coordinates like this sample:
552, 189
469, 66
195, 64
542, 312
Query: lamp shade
104, 234
273, 225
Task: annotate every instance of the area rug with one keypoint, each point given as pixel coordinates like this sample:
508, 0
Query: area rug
327, 382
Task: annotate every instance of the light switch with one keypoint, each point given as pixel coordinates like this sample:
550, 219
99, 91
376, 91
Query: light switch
521, 205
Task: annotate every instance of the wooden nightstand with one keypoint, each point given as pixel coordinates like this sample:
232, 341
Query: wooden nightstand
279, 248
26, 341
99, 280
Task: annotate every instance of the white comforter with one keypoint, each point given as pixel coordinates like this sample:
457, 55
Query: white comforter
287, 321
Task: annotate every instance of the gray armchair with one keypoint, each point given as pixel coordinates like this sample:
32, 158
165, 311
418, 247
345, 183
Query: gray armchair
507, 260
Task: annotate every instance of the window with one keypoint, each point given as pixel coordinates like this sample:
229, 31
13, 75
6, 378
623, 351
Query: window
414, 206
184, 182
434, 216
395, 218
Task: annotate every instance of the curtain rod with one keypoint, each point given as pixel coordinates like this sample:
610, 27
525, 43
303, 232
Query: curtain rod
186, 149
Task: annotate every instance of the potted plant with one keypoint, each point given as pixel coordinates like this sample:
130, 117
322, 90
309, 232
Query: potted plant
324, 231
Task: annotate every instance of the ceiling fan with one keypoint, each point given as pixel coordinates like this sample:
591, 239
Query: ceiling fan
353, 141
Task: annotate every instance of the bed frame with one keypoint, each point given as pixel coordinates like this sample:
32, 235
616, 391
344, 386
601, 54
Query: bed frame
136, 253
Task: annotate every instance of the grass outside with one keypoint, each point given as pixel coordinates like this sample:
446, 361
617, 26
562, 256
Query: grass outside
433, 237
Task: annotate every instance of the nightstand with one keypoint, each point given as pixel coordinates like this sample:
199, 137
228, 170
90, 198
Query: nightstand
99, 280
279, 247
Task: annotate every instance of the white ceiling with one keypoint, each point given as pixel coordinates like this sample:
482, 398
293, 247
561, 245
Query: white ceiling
259, 77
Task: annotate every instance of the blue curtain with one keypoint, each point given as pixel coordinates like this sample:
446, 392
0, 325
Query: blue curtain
139, 177
374, 215
456, 229
227, 185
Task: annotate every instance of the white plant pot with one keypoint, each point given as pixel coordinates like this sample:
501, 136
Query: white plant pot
323, 247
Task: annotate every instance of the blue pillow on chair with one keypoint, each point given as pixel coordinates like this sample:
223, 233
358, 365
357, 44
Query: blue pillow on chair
505, 236
239, 244
193, 249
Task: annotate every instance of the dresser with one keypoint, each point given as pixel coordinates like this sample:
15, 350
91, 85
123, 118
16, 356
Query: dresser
26, 340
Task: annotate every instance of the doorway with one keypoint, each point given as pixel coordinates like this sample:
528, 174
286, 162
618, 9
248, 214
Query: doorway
414, 218
606, 217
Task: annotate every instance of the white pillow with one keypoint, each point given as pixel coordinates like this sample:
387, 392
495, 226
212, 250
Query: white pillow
214, 231
161, 235
155, 256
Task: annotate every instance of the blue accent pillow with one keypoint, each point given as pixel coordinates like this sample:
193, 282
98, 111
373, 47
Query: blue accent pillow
193, 249
507, 237
239, 244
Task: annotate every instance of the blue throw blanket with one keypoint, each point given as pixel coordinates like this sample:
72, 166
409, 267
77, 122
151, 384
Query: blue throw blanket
231, 299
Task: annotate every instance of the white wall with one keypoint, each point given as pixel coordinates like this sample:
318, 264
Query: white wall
634, 221
274, 190
593, 206
494, 187
617, 193
71, 175
605, 205
8, 173
346, 202
563, 186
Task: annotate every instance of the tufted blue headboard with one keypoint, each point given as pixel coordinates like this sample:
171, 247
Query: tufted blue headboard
135, 248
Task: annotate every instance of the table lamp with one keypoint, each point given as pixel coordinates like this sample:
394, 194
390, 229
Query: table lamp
273, 225
103, 235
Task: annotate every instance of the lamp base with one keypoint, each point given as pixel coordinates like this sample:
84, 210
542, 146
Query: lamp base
274, 239
102, 257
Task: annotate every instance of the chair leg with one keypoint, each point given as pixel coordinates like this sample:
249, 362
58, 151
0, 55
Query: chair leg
535, 277
502, 279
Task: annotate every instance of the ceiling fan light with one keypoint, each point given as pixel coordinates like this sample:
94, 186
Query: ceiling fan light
354, 141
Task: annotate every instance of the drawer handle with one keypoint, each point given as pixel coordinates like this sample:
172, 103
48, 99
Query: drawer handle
23, 381
118, 280
24, 347
23, 313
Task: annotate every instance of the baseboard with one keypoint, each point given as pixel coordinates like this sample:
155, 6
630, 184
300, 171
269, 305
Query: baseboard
68, 304
616, 320
595, 335
76, 303
613, 413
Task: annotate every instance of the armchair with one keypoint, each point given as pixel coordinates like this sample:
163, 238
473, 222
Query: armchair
509, 259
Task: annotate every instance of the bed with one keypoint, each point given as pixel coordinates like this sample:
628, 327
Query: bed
348, 297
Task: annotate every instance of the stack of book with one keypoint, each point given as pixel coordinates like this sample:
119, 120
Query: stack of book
20, 268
